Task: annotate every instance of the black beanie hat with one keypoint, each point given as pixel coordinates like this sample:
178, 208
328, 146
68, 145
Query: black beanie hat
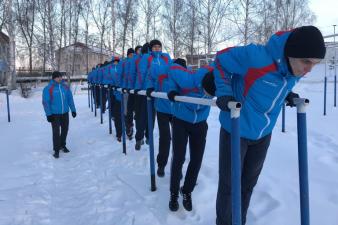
138, 47
305, 42
181, 62
130, 50
154, 42
208, 83
145, 48
56, 74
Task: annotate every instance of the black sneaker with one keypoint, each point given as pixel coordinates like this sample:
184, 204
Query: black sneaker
119, 139
65, 149
56, 154
160, 171
138, 144
173, 203
187, 204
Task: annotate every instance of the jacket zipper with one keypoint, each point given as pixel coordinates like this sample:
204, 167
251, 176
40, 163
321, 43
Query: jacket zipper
272, 106
61, 98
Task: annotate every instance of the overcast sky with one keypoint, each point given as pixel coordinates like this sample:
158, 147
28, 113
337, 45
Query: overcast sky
327, 15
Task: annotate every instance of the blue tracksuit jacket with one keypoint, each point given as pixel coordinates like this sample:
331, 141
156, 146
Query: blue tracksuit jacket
157, 78
258, 77
188, 83
57, 98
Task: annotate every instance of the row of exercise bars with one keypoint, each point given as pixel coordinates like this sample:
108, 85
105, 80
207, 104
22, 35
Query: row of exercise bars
235, 108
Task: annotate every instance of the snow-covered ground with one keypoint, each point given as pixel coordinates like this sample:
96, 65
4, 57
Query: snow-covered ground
95, 184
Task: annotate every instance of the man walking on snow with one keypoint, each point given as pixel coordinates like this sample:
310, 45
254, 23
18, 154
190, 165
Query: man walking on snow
57, 99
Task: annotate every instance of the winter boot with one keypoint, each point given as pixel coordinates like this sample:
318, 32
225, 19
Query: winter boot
138, 144
187, 204
173, 203
160, 171
65, 149
56, 154
119, 139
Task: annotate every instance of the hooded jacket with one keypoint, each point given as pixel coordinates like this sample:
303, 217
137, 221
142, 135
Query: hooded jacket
258, 77
57, 98
189, 83
157, 78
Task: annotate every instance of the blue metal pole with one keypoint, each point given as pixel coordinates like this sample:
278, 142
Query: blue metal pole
283, 118
235, 165
123, 125
303, 164
101, 102
8, 110
325, 88
88, 97
95, 99
335, 90
151, 144
109, 109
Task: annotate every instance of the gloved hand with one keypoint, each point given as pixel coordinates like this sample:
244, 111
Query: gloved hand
73, 114
171, 95
136, 91
50, 118
149, 91
222, 102
124, 90
290, 99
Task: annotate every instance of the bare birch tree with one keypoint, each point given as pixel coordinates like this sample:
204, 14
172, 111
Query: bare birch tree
100, 16
212, 13
125, 14
25, 14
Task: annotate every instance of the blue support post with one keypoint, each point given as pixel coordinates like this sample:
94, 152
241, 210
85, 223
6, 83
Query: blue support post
325, 90
123, 125
335, 90
303, 162
95, 99
109, 108
8, 110
236, 172
283, 118
88, 97
151, 144
101, 102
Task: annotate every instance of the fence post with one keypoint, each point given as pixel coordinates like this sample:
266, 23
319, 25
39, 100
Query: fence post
109, 108
236, 173
302, 160
283, 118
95, 100
8, 110
101, 102
151, 143
123, 124
325, 88
88, 97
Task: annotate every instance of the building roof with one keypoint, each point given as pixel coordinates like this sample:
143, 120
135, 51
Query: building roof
90, 48
3, 37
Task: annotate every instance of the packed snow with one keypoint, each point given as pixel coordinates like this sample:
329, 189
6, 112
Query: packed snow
96, 184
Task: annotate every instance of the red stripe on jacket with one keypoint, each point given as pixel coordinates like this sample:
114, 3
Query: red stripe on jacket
161, 79
185, 91
255, 73
51, 96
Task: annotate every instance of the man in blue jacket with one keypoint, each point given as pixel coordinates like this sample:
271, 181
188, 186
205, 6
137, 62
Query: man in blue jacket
157, 80
57, 99
141, 64
128, 71
116, 73
189, 123
261, 78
